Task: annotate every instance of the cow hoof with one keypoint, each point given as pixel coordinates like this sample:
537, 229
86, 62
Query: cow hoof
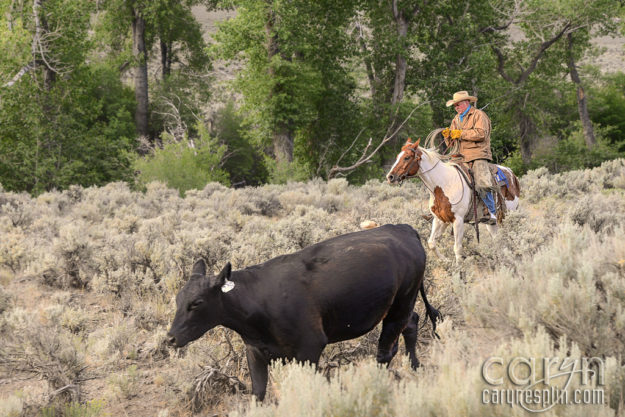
384, 358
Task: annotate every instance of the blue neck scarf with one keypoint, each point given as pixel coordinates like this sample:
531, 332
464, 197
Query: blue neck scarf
464, 113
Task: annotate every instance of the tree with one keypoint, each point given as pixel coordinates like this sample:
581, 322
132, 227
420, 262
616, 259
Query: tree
598, 19
386, 35
59, 130
294, 79
555, 34
166, 23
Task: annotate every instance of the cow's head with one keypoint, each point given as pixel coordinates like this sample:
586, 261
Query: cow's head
199, 306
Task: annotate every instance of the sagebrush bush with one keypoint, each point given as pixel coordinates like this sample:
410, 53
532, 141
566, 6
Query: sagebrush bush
5, 300
574, 287
115, 258
538, 183
451, 386
12, 406
46, 351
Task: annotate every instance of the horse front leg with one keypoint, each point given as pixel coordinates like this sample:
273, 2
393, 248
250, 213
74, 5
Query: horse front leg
458, 233
438, 227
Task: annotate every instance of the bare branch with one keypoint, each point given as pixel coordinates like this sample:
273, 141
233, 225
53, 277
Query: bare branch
25, 70
365, 158
350, 146
491, 29
500, 64
526, 72
543, 47
373, 80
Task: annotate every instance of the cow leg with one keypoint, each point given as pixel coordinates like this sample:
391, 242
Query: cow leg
387, 344
258, 364
310, 348
410, 339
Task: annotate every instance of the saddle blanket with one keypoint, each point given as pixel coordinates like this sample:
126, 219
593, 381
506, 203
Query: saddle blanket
501, 177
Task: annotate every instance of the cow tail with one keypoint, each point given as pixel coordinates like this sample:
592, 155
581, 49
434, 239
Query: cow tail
432, 313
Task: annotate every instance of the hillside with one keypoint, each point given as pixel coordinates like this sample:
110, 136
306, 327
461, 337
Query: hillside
88, 279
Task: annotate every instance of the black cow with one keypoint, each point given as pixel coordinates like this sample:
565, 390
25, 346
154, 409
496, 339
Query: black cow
292, 306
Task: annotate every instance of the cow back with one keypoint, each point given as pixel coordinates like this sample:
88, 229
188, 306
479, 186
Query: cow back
344, 285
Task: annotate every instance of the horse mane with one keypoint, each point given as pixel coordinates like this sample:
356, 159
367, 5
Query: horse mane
433, 154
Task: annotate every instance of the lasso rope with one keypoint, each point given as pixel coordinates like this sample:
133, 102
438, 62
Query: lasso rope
430, 144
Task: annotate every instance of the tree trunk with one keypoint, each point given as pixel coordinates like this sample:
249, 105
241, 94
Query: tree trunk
39, 47
141, 73
527, 127
582, 105
527, 132
283, 144
164, 60
402, 23
401, 64
283, 135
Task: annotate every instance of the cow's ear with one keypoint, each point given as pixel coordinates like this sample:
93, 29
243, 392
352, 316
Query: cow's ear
199, 268
223, 276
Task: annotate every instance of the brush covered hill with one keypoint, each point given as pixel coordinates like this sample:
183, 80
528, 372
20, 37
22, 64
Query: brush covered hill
88, 278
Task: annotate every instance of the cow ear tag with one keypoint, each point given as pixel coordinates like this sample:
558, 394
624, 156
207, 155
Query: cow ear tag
228, 285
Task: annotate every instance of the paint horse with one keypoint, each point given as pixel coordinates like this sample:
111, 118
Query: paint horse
451, 197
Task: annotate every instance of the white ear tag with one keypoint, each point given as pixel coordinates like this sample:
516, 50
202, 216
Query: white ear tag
229, 285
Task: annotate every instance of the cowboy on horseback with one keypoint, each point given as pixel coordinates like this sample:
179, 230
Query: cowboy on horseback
469, 138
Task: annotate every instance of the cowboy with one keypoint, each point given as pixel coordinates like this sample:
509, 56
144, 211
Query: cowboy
469, 132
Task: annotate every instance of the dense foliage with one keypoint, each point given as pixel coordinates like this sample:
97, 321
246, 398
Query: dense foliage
87, 88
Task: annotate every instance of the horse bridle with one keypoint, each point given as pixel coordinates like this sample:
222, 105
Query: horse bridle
418, 158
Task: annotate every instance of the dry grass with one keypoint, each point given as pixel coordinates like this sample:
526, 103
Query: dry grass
88, 278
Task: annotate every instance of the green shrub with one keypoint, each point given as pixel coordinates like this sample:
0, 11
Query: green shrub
184, 165
93, 408
571, 153
245, 164
607, 106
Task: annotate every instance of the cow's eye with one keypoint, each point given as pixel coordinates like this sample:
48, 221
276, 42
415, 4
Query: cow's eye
195, 304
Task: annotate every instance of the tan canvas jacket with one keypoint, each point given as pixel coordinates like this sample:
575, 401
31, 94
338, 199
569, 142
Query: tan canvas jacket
475, 138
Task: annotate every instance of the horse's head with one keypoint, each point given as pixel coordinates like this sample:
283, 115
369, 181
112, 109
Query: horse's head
407, 163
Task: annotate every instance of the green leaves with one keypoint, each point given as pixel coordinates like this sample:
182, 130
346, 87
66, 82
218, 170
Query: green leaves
185, 165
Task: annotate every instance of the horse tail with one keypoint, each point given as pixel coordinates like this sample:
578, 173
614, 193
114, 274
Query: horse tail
515, 180
433, 314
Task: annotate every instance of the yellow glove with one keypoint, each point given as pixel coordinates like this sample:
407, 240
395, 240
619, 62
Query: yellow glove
446, 133
456, 133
